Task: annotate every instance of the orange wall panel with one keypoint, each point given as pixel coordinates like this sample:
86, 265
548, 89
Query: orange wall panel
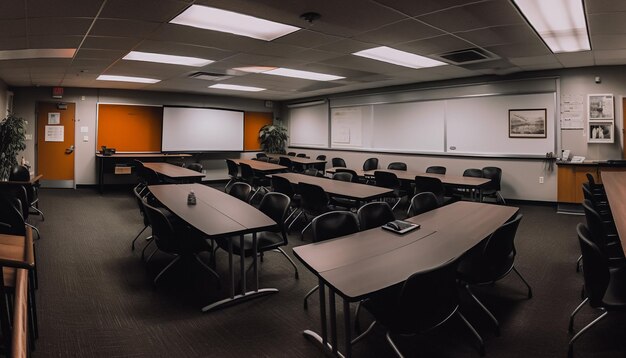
130, 128
253, 121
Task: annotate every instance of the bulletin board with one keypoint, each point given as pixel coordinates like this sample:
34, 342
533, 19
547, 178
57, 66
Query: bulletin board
130, 128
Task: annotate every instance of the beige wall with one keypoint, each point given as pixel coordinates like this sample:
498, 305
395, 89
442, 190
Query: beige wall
86, 100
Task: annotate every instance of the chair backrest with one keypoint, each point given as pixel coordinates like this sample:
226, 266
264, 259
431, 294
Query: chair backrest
374, 214
301, 155
494, 257
276, 206
19, 173
233, 168
595, 225
140, 192
355, 177
263, 159
428, 184
422, 202
311, 171
427, 299
370, 164
313, 197
282, 185
291, 154
240, 191
339, 163
11, 219
386, 179
343, 176
596, 270
247, 174
436, 169
473, 172
397, 166
286, 162
146, 175
321, 157
162, 229
334, 224
590, 179
21, 195
195, 167
274, 160
495, 174
261, 155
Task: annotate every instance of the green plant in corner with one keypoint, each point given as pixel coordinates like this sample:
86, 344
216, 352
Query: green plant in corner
12, 139
273, 138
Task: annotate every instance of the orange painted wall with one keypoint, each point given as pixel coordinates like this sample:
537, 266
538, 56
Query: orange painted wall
253, 121
130, 128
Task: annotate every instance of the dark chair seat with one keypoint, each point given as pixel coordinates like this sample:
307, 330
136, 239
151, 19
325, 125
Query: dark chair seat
266, 241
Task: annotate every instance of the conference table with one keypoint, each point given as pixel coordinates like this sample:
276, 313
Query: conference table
261, 166
456, 181
615, 188
337, 188
174, 172
355, 266
220, 217
305, 162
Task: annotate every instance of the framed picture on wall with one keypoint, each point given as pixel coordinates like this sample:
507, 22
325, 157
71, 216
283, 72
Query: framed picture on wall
527, 123
600, 107
600, 132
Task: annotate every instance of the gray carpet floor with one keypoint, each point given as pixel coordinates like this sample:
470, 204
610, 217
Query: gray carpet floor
96, 298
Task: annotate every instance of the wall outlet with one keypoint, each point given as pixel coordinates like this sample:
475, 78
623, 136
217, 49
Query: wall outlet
540, 180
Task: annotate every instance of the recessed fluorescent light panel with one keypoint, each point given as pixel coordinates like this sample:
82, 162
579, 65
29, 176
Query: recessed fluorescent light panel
37, 53
237, 88
127, 79
397, 57
302, 74
169, 59
560, 23
209, 18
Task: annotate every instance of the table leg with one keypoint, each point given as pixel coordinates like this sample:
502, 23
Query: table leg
333, 320
329, 348
255, 262
347, 328
242, 266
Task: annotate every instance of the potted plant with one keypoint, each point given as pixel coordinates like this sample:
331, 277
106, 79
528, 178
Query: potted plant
12, 139
273, 138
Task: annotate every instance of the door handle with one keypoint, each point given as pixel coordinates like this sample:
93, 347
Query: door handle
70, 150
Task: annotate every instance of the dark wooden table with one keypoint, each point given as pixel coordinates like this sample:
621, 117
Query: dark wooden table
219, 216
615, 187
305, 162
33, 180
260, 166
355, 191
355, 266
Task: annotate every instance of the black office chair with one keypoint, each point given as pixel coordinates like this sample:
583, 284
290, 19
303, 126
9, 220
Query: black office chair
464, 192
435, 169
390, 180
258, 183
604, 234
146, 175
355, 177
339, 163
492, 189
140, 191
315, 201
233, 173
421, 203
311, 172
597, 188
284, 186
425, 301
261, 155
343, 176
263, 159
329, 226
604, 287
370, 164
21, 194
286, 162
432, 185
374, 214
241, 191
21, 173
490, 261
321, 166
291, 154
197, 167
301, 155
397, 166
174, 237
275, 205
274, 160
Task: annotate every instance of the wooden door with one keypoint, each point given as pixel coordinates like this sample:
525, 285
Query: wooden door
55, 144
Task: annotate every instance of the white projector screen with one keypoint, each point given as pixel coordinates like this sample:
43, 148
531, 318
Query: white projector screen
201, 130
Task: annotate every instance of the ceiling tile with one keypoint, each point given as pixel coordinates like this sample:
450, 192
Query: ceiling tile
96, 54
179, 49
607, 23
576, 59
435, 45
13, 43
520, 49
362, 63
273, 49
68, 8
54, 41
474, 16
12, 28
346, 46
312, 55
534, 60
147, 10
58, 26
193, 36
608, 42
110, 43
421, 7
499, 35
609, 55
307, 38
13, 9
402, 31
596, 6
122, 27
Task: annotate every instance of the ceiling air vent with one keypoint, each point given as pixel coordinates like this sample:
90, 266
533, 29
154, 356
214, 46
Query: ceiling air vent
209, 76
466, 56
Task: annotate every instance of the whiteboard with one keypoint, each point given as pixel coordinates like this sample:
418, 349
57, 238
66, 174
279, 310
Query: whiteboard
308, 126
201, 130
481, 125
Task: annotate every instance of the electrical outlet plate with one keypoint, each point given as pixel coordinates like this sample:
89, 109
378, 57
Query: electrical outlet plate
540, 180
